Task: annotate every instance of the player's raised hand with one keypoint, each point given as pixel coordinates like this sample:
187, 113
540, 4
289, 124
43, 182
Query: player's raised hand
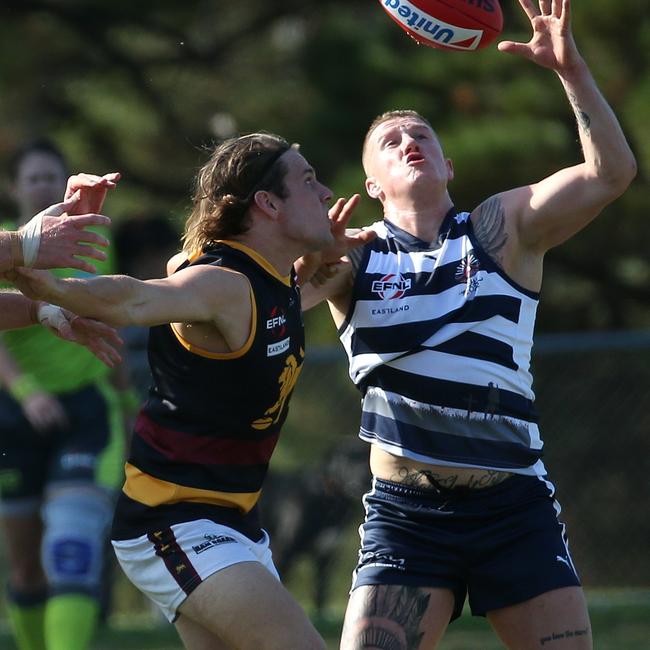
92, 191
52, 239
345, 238
323, 265
551, 45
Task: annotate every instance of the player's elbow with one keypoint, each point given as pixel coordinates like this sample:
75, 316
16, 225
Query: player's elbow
622, 174
614, 179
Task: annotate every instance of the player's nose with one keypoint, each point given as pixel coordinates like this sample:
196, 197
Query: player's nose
326, 193
409, 144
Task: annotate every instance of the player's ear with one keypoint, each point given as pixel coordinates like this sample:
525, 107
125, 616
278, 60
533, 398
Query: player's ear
266, 202
450, 170
372, 188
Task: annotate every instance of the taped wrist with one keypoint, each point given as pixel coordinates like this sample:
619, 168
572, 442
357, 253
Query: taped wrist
33, 311
30, 235
51, 316
16, 241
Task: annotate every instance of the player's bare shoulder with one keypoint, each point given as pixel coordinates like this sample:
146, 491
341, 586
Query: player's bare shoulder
490, 227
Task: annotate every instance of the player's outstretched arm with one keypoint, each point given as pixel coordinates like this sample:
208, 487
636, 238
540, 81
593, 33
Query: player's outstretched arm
556, 208
195, 294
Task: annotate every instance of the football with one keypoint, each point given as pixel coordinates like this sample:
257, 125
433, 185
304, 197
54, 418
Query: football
463, 25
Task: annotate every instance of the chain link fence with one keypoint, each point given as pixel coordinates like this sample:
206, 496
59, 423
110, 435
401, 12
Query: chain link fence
593, 398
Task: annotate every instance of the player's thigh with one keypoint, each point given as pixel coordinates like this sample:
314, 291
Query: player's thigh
196, 637
396, 616
557, 620
249, 609
22, 533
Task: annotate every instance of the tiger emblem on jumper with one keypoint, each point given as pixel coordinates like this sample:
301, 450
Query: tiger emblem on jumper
287, 380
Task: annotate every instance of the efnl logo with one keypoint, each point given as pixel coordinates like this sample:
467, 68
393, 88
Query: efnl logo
430, 28
391, 286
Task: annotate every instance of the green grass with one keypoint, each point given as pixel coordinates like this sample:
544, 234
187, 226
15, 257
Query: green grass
620, 620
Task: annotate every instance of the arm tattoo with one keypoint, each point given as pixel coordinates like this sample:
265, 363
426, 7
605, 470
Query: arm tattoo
584, 121
488, 221
388, 618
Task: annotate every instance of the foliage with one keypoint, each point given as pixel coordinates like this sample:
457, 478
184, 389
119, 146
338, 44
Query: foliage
143, 87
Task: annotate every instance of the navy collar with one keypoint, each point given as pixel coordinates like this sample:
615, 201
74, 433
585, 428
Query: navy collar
412, 243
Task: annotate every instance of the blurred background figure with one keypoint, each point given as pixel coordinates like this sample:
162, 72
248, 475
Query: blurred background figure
305, 512
62, 439
142, 245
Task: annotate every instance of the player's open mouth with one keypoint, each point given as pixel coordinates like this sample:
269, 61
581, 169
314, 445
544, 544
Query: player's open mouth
414, 158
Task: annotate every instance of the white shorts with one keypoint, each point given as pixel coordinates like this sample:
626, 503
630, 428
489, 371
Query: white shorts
168, 565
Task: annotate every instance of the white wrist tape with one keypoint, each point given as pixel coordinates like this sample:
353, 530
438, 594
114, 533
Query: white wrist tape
31, 239
51, 316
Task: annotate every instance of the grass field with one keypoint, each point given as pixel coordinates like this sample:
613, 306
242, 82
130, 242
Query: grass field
620, 620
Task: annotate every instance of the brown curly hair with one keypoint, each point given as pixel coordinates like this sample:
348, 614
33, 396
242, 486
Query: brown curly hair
225, 187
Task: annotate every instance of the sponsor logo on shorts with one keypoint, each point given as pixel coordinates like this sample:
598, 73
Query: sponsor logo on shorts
370, 560
273, 349
211, 541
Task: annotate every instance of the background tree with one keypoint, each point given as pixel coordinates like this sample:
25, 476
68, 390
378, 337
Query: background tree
142, 87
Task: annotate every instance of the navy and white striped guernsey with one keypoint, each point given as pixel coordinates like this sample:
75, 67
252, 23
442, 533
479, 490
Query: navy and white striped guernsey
439, 341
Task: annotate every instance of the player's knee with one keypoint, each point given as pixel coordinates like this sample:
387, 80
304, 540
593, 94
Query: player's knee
76, 524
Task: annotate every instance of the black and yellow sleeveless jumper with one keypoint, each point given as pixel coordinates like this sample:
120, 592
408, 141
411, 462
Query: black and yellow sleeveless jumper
203, 440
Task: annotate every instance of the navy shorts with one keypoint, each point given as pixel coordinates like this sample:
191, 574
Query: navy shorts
500, 545
30, 460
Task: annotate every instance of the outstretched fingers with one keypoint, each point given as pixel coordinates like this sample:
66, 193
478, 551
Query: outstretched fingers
529, 7
565, 13
511, 47
91, 181
341, 212
101, 339
82, 221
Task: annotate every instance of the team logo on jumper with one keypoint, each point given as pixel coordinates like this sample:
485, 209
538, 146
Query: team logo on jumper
466, 273
211, 541
468, 268
391, 286
273, 349
277, 323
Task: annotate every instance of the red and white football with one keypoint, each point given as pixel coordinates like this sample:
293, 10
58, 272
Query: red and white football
448, 24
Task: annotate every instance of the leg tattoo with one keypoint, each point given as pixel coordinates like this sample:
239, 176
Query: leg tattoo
388, 618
